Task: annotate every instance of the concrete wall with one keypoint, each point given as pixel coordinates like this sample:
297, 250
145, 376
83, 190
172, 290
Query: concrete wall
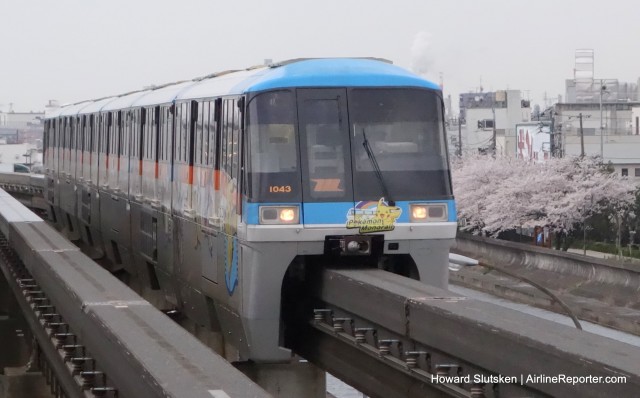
506, 254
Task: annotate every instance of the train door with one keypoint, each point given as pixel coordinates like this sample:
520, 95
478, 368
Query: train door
95, 149
150, 153
229, 206
113, 151
164, 174
103, 150
326, 156
182, 162
85, 157
135, 171
124, 140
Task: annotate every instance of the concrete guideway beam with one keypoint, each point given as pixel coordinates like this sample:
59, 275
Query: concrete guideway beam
502, 341
142, 352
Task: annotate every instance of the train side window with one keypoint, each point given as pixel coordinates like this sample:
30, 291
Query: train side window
182, 133
104, 128
214, 136
224, 155
88, 132
184, 137
113, 137
178, 132
80, 134
94, 138
165, 143
235, 154
193, 122
151, 128
118, 132
156, 133
140, 122
64, 134
149, 139
202, 134
72, 133
60, 135
206, 137
115, 133
125, 137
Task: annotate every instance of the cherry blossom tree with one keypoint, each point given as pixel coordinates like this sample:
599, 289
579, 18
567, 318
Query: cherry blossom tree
496, 194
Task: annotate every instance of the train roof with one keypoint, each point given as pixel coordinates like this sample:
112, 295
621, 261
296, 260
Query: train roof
324, 72
337, 72
162, 95
123, 101
68, 110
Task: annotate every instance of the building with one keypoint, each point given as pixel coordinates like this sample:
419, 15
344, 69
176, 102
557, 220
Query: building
19, 127
600, 118
611, 131
483, 112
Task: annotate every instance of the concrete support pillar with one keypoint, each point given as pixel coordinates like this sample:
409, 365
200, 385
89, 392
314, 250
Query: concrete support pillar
16, 382
287, 380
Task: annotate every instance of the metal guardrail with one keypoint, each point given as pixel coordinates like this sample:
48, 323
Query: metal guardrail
100, 338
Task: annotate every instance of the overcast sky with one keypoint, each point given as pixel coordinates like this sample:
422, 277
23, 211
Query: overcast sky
71, 50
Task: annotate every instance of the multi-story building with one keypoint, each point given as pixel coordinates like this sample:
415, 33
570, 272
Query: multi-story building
18, 127
610, 130
601, 117
483, 113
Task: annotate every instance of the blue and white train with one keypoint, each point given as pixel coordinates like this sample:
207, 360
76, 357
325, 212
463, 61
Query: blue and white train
210, 190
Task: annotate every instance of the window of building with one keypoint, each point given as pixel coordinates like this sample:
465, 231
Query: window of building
625, 172
637, 171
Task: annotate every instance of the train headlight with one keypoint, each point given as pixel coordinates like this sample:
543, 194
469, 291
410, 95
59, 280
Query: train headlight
423, 212
279, 215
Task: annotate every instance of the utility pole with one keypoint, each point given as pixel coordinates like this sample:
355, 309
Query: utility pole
581, 137
460, 134
493, 142
602, 88
580, 116
552, 142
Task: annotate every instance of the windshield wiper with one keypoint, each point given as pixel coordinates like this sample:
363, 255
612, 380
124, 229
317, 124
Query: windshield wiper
376, 169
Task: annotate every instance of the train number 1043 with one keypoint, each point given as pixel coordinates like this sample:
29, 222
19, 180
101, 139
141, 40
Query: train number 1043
280, 188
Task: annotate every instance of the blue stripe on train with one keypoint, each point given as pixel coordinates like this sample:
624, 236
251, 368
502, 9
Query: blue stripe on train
336, 212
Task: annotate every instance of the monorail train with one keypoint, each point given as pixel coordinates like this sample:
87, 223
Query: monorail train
209, 190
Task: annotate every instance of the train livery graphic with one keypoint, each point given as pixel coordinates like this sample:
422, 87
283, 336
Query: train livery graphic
373, 216
220, 196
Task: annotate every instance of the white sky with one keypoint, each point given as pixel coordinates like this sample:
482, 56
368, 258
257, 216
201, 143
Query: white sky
71, 50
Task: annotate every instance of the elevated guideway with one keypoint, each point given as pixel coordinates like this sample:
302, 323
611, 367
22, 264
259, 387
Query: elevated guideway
95, 336
390, 336
387, 335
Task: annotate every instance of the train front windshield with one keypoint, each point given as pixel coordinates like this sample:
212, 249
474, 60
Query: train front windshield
343, 145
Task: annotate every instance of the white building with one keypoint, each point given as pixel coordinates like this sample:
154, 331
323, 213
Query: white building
601, 117
482, 113
615, 136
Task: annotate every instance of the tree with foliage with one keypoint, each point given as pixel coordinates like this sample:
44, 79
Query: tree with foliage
496, 194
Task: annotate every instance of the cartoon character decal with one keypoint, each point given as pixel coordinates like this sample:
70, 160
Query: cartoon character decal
372, 216
231, 273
